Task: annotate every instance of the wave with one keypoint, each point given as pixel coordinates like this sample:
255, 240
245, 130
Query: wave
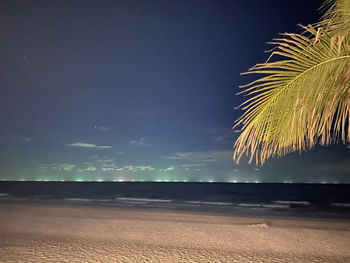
250, 205
207, 203
279, 206
144, 200
345, 205
288, 202
87, 200
79, 199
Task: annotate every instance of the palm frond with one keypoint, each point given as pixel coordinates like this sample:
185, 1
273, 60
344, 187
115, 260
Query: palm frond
336, 18
302, 100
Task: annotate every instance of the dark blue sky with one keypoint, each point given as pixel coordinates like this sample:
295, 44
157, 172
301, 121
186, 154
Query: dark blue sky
140, 90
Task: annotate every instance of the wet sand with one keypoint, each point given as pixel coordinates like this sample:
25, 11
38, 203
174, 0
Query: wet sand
57, 233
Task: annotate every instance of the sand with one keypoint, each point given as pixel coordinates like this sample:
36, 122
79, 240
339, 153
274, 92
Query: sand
57, 233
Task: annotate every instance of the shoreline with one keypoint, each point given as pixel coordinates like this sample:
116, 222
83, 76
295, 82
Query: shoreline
231, 210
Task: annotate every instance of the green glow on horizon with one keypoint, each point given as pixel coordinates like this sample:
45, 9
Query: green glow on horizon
180, 179
43, 180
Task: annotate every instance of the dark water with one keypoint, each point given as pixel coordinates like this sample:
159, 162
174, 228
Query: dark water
306, 200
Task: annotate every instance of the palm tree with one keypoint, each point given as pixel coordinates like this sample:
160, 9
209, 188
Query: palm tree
303, 99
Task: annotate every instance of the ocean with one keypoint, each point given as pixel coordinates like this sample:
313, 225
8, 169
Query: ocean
285, 200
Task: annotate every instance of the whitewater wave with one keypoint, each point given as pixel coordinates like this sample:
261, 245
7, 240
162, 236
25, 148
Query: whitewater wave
208, 203
344, 205
288, 202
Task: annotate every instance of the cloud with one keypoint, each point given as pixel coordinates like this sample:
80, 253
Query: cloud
190, 161
222, 136
88, 145
68, 167
26, 139
172, 157
168, 169
102, 128
210, 159
206, 156
89, 168
341, 166
135, 168
140, 142
106, 160
108, 169
46, 166
192, 165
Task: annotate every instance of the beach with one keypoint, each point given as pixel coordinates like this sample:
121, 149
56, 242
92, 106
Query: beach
72, 233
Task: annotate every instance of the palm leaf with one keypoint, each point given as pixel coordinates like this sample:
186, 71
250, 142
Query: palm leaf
302, 100
336, 18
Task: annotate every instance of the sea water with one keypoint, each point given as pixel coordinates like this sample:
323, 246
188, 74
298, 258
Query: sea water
300, 200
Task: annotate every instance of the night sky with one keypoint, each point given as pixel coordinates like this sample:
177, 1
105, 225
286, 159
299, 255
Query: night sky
140, 90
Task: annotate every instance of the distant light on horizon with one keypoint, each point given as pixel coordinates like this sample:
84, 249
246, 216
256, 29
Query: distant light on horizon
168, 179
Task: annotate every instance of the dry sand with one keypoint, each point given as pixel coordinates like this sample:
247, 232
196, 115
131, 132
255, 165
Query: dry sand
42, 233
